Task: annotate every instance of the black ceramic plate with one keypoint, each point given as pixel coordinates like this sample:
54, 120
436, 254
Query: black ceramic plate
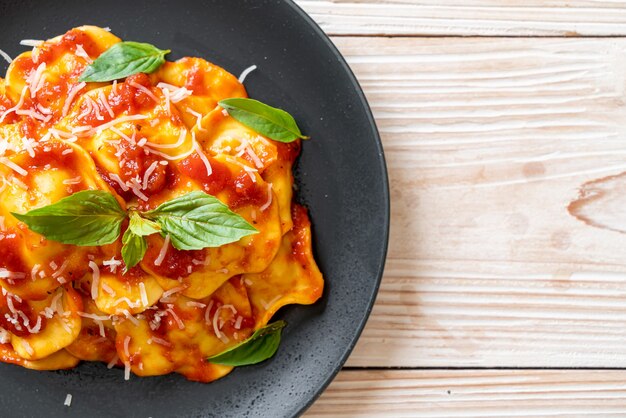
341, 177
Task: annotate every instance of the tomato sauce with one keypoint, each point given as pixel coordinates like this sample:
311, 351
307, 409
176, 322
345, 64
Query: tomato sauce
301, 246
19, 305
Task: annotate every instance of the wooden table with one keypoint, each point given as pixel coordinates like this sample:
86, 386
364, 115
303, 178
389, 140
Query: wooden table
504, 127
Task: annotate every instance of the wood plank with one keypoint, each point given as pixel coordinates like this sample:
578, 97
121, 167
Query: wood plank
488, 142
472, 393
469, 17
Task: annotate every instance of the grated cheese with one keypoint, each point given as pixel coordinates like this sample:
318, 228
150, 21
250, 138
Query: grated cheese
71, 95
75, 180
144, 295
163, 251
269, 198
198, 117
6, 274
145, 90
245, 73
28, 348
180, 323
203, 157
118, 121
119, 181
126, 343
105, 103
80, 52
113, 361
31, 42
95, 279
161, 341
148, 173
17, 106
68, 400
6, 56
181, 141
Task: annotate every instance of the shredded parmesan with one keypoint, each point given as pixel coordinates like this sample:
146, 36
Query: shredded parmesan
238, 322
28, 348
207, 313
161, 341
105, 103
75, 180
31, 42
28, 146
203, 157
148, 173
112, 264
6, 56
219, 334
71, 95
198, 117
113, 361
118, 121
108, 289
172, 291
68, 400
269, 198
145, 90
181, 141
163, 251
245, 73
196, 304
80, 52
95, 279
174, 93
180, 323
35, 78
126, 370
119, 181
17, 106
144, 295
6, 274
126, 343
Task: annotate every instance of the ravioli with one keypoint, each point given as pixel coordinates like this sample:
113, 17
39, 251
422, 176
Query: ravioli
145, 139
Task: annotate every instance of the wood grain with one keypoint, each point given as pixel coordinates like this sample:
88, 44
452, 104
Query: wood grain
469, 17
472, 393
488, 141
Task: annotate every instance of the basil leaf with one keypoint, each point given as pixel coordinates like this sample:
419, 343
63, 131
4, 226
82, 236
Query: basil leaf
262, 345
134, 244
141, 226
133, 249
87, 218
268, 121
198, 220
124, 59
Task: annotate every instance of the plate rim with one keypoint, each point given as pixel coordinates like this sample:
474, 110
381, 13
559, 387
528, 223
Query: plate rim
354, 83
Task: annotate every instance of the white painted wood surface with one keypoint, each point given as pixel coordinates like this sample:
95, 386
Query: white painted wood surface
469, 17
506, 158
488, 141
471, 393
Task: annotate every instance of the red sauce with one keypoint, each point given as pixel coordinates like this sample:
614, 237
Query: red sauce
10, 255
176, 262
194, 167
50, 52
125, 98
136, 161
20, 328
195, 79
6, 104
242, 191
288, 151
301, 246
